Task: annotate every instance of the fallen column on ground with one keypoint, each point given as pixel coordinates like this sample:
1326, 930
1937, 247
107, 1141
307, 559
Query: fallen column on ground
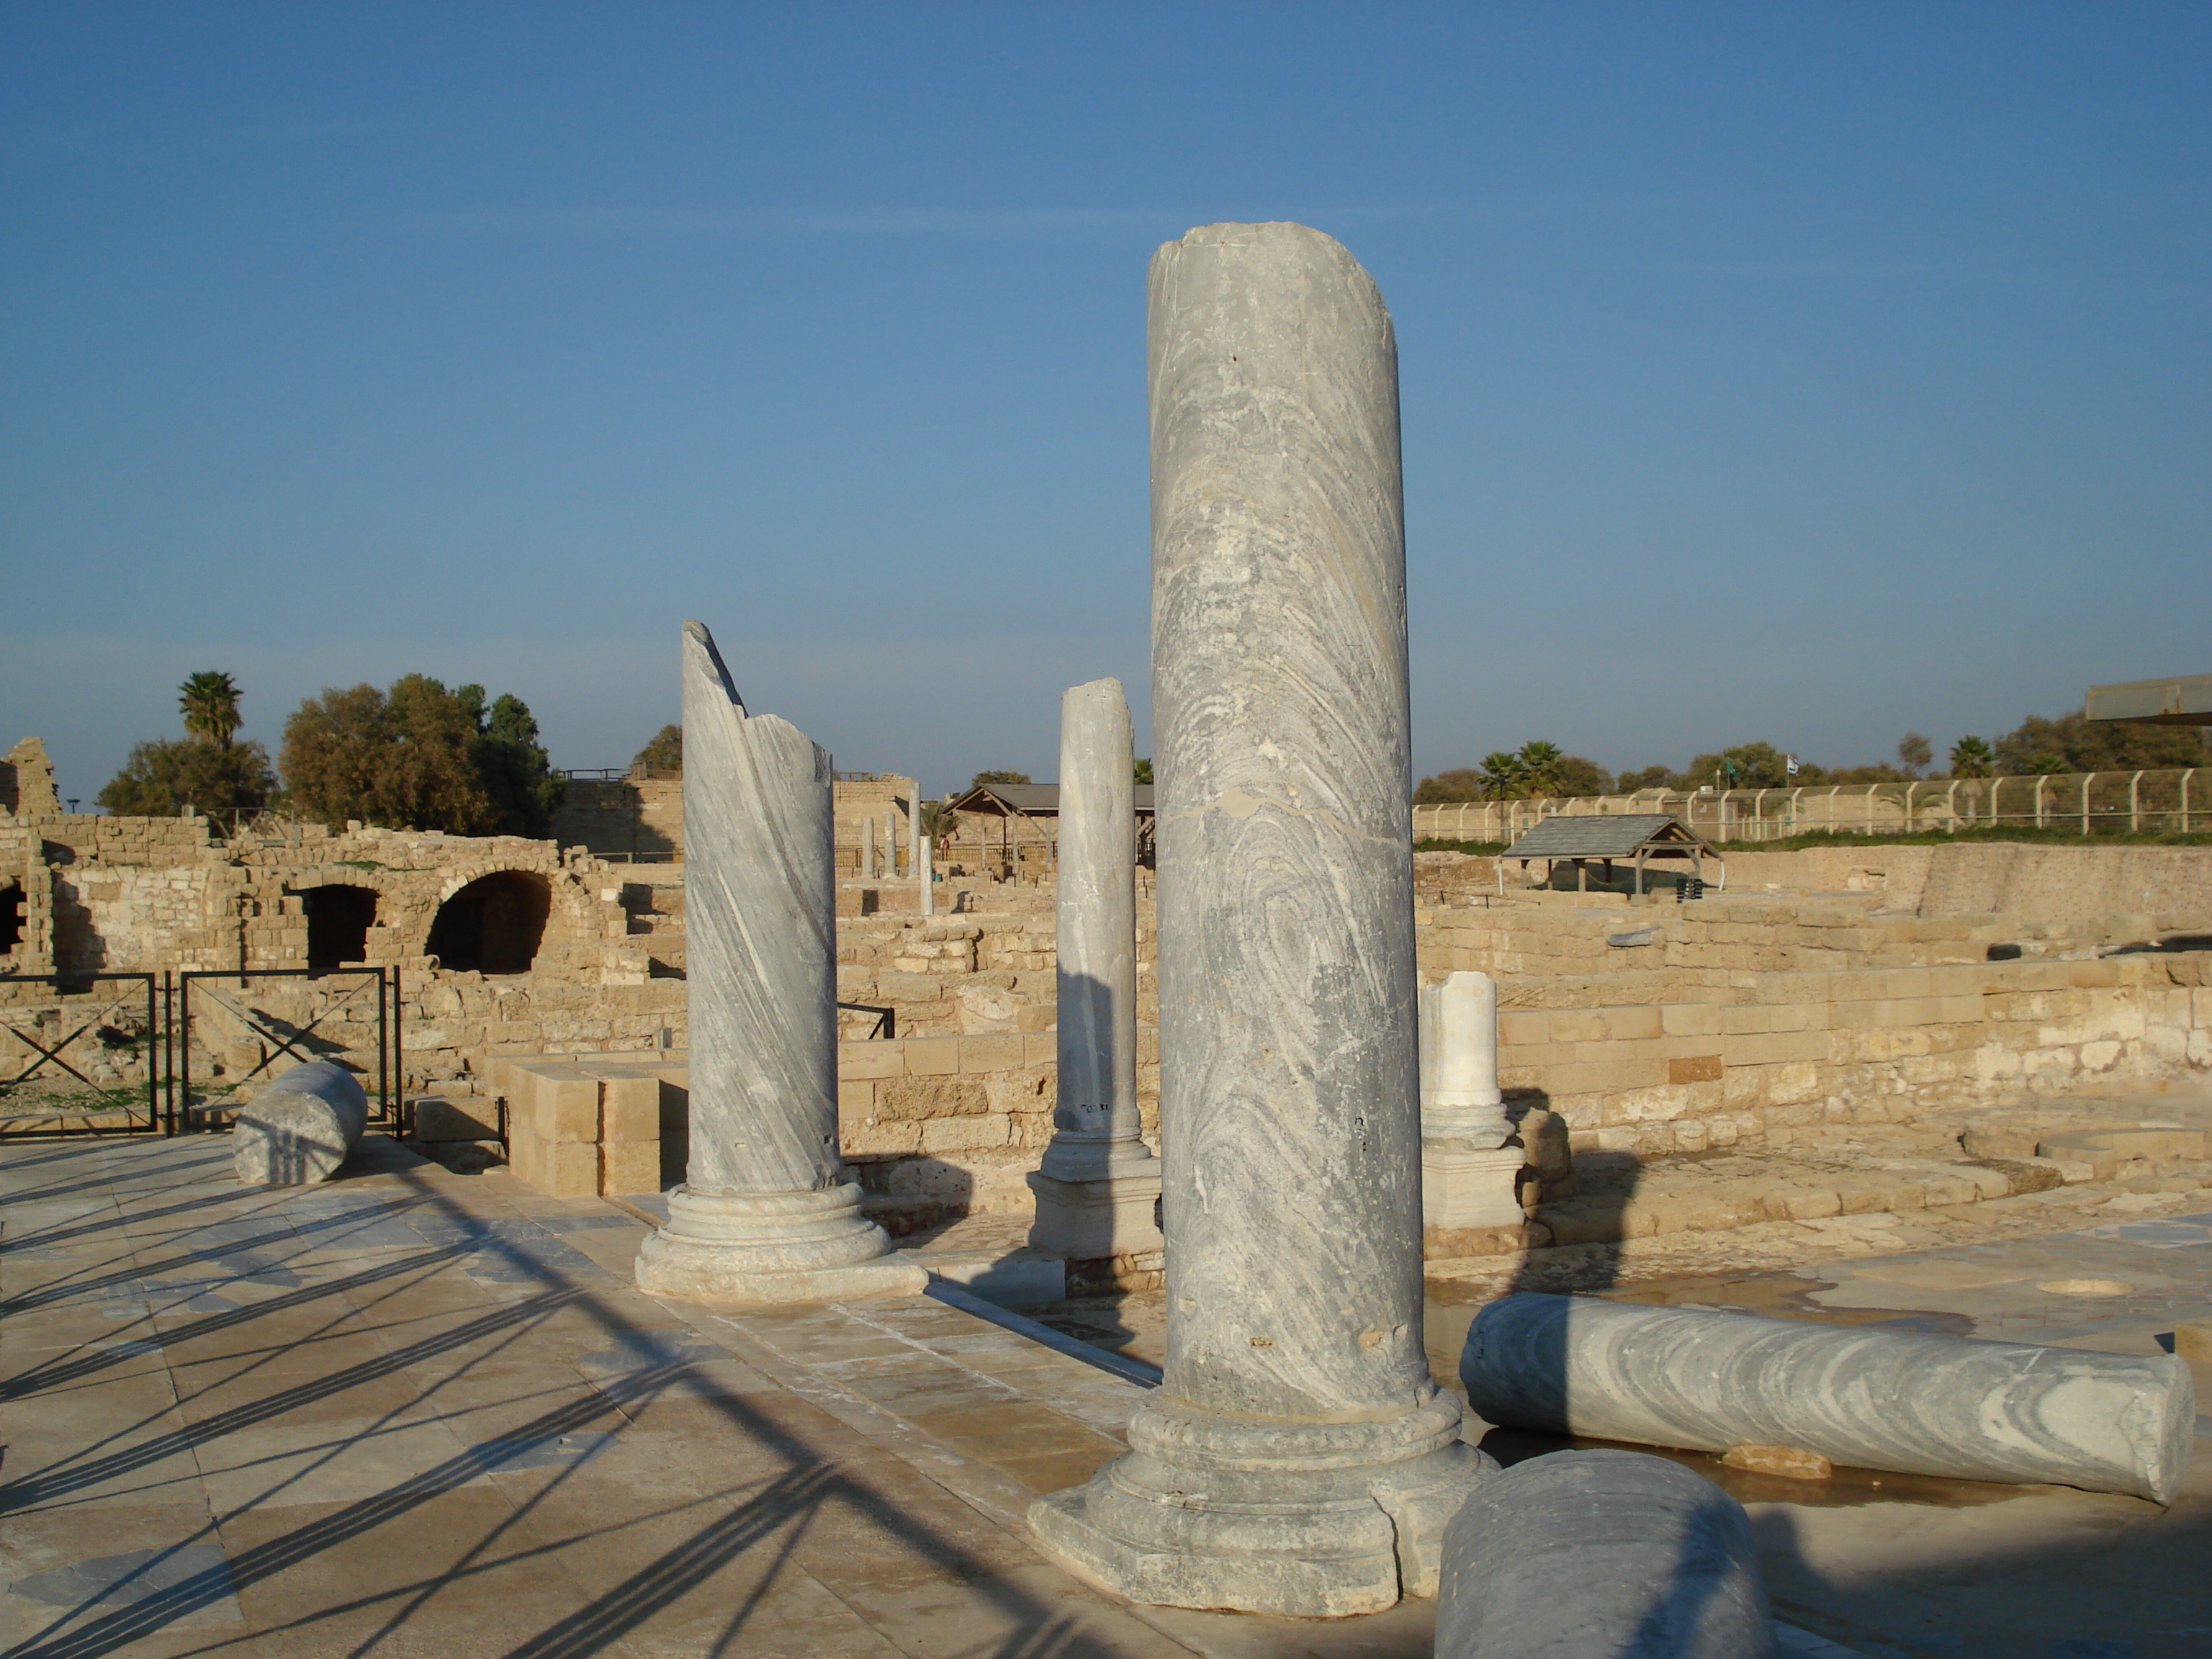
1297, 1458
300, 1127
1469, 1176
1601, 1555
1097, 1183
767, 1213
1875, 1399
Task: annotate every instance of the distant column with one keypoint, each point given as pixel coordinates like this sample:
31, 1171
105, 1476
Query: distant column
1098, 1182
868, 848
1470, 1178
926, 877
768, 1213
1297, 1458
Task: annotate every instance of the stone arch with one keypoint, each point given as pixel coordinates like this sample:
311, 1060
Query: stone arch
339, 916
494, 924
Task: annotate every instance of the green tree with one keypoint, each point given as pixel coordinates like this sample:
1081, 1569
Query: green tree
209, 702
1144, 769
1578, 775
2078, 745
517, 775
1651, 777
663, 754
1501, 774
983, 778
1539, 764
163, 777
939, 822
1972, 758
1914, 754
419, 757
1462, 784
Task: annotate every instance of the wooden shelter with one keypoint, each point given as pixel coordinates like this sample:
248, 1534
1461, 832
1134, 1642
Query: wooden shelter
1028, 814
1611, 838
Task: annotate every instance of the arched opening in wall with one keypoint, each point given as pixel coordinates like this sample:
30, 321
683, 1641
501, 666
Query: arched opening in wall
11, 917
339, 920
493, 925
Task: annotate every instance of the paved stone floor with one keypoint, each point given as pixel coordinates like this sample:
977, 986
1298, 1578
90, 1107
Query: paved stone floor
408, 1412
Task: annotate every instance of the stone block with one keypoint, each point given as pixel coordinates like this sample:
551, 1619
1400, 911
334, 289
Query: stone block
438, 1119
629, 1166
937, 1056
629, 1109
1691, 1018
861, 1060
564, 1104
995, 1052
1694, 1068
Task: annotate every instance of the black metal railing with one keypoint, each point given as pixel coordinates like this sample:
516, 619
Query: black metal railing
63, 983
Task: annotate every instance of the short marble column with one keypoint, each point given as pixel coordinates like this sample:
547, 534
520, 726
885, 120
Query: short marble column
768, 1213
925, 873
1297, 1457
1470, 1178
1098, 1182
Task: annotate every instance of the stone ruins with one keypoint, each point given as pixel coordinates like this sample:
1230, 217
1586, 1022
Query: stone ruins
1294, 1082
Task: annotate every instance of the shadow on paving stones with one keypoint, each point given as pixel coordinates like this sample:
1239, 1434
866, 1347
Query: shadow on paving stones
804, 1475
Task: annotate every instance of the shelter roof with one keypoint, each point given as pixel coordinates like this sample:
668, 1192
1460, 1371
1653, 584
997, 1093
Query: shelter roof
1031, 800
1607, 835
2180, 700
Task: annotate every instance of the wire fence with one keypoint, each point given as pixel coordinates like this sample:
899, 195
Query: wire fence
2176, 802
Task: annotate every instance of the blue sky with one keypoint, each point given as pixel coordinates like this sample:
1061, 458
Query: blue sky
1801, 372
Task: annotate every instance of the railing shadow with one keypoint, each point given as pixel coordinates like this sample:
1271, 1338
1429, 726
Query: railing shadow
814, 1476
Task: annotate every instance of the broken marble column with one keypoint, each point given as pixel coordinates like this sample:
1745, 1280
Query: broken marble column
1470, 1178
868, 848
926, 874
1617, 1553
1098, 1182
300, 1127
767, 1212
1297, 1458
1861, 1394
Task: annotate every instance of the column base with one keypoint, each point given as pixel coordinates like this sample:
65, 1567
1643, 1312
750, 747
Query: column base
1466, 1186
1254, 1515
773, 1246
1097, 1221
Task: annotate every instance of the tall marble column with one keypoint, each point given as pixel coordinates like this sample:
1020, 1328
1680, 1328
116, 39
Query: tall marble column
868, 848
768, 1213
1097, 1183
925, 873
1297, 1458
1470, 1178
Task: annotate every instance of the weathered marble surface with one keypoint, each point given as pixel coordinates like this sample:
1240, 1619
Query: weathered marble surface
1858, 1395
1298, 1458
768, 1213
924, 872
1584, 1553
300, 1127
1097, 1181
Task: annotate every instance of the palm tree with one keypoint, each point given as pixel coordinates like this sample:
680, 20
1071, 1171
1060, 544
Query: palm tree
939, 822
1539, 768
209, 702
1972, 758
1501, 774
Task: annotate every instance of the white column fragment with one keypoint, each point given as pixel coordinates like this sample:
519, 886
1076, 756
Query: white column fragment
868, 848
1469, 1176
925, 875
768, 1213
1098, 1183
1297, 1458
